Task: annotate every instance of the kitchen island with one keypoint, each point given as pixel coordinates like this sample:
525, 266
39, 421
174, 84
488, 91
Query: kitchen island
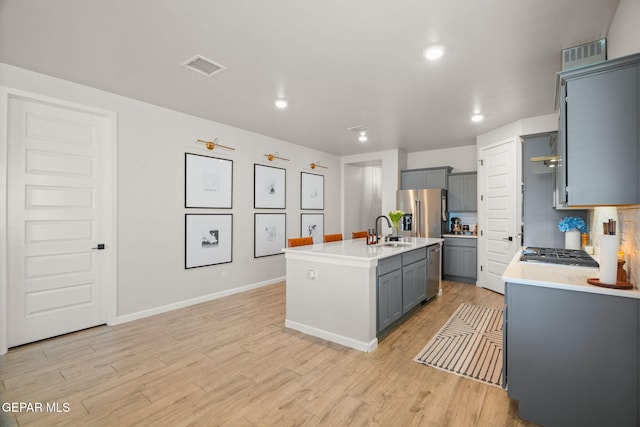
571, 349
332, 288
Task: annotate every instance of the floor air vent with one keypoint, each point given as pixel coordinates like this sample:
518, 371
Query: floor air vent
585, 54
204, 66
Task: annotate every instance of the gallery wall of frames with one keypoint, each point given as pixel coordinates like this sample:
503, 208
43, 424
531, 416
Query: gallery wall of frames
209, 196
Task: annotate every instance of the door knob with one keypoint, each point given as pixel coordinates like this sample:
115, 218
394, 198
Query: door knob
510, 238
99, 247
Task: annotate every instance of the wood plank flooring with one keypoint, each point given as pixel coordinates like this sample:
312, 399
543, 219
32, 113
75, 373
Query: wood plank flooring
231, 362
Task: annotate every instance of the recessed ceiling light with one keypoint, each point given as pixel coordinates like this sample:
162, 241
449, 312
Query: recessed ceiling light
477, 118
434, 52
281, 103
361, 131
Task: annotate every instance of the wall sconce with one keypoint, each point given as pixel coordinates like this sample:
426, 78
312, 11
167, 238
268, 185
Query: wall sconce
213, 144
272, 157
317, 165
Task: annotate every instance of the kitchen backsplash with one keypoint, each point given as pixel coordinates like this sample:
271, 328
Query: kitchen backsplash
467, 218
629, 219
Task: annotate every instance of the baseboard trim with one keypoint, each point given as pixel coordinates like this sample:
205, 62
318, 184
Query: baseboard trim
193, 301
366, 347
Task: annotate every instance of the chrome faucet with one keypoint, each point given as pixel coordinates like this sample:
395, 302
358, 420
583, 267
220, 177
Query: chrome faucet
388, 224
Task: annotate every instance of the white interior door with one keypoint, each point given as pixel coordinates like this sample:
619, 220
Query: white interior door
57, 212
498, 216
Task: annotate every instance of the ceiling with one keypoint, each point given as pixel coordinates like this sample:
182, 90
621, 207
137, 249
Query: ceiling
339, 63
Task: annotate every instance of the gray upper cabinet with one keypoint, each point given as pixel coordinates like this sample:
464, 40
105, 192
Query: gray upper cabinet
599, 138
425, 178
462, 192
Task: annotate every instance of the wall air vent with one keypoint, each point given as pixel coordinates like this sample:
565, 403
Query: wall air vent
204, 66
586, 54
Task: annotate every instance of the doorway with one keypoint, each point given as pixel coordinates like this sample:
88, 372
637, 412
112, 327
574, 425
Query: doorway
539, 217
362, 195
498, 178
59, 233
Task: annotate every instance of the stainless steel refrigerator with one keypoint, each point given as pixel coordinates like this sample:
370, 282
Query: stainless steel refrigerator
425, 212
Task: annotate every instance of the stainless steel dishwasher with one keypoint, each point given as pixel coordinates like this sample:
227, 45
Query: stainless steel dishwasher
433, 275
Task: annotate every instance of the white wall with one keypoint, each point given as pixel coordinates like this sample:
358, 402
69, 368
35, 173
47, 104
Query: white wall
624, 34
151, 146
528, 126
461, 159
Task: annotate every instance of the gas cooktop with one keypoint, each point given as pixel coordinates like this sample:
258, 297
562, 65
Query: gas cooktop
558, 256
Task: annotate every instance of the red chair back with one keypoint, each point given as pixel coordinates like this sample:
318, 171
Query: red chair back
300, 241
332, 237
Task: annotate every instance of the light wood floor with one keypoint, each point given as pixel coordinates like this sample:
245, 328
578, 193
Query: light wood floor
232, 362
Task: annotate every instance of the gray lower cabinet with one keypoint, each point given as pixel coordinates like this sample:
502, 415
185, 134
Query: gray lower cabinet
401, 286
414, 285
389, 299
460, 259
572, 358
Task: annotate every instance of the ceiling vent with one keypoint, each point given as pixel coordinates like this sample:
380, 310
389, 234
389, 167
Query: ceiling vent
359, 129
204, 66
586, 54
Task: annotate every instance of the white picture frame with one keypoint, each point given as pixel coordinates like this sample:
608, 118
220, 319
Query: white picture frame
269, 187
312, 225
311, 191
269, 232
208, 182
208, 239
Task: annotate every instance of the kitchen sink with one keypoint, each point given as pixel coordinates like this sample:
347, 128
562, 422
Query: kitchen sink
394, 244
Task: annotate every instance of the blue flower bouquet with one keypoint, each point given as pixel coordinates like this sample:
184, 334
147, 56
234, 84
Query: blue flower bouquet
569, 223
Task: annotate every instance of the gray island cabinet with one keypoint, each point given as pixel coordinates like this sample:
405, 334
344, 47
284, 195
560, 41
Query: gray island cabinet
389, 292
402, 286
571, 349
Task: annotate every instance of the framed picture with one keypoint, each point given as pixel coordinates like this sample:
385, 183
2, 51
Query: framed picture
311, 191
208, 239
269, 187
269, 234
312, 225
208, 182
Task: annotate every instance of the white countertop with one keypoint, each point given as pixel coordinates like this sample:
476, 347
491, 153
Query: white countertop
357, 249
462, 236
567, 277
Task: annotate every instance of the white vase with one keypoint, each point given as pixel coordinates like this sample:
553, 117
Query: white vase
572, 239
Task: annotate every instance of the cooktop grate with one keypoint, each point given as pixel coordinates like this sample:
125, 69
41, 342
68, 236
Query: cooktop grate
558, 256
